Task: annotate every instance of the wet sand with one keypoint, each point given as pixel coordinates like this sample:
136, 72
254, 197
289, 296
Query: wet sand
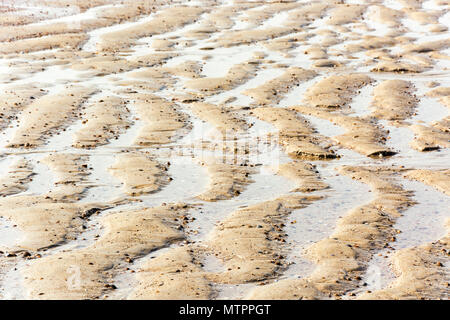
224, 149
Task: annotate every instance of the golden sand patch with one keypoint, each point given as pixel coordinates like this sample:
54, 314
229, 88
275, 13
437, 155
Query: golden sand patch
128, 234
140, 174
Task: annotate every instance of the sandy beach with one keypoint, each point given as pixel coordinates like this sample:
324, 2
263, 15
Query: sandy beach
225, 149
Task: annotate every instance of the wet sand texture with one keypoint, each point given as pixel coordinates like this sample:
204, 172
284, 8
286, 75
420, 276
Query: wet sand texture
224, 149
